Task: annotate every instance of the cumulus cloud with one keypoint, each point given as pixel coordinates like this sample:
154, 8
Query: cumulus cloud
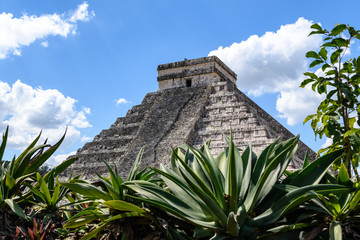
295, 104
85, 139
29, 110
275, 62
19, 32
121, 101
56, 160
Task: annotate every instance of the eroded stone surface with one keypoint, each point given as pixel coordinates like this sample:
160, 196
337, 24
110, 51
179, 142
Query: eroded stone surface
178, 114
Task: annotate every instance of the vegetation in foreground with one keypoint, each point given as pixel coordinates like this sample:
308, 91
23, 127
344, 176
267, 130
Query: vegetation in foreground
235, 195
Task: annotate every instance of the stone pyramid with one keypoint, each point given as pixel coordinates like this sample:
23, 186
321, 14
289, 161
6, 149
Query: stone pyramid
197, 100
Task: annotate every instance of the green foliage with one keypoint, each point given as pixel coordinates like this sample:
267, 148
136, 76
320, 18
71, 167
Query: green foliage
15, 175
234, 194
115, 205
340, 83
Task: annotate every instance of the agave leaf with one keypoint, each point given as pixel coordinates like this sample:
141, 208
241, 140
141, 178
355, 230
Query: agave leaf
36, 192
157, 197
261, 162
34, 166
123, 206
232, 226
3, 143
129, 215
21, 165
94, 232
116, 195
314, 172
232, 179
59, 168
306, 160
212, 203
247, 158
81, 221
294, 198
56, 193
190, 174
87, 189
335, 230
135, 166
355, 200
273, 170
215, 176
181, 189
116, 181
25, 152
15, 208
44, 189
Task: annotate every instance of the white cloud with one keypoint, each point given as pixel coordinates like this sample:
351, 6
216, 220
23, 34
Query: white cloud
327, 143
82, 14
275, 62
29, 110
56, 160
121, 101
85, 139
45, 44
295, 104
18, 32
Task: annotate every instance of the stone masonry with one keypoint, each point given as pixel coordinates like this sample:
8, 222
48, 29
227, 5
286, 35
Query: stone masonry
197, 100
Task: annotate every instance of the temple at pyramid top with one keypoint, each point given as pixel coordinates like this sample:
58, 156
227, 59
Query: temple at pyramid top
193, 73
197, 101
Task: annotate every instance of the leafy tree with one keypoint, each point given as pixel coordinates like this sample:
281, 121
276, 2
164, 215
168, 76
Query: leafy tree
339, 81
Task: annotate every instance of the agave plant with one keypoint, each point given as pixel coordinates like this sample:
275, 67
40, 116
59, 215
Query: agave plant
114, 205
14, 174
225, 196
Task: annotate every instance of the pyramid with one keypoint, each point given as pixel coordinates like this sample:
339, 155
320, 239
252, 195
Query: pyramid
197, 100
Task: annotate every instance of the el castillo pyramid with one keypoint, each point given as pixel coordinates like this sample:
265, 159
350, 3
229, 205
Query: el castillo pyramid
197, 100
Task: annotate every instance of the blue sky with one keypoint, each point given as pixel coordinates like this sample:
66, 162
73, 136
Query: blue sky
83, 64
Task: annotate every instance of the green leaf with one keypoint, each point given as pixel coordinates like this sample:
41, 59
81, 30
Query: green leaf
60, 168
309, 117
325, 66
44, 188
343, 175
351, 131
335, 230
15, 208
312, 54
338, 29
3, 143
334, 58
88, 190
341, 42
233, 183
354, 202
9, 181
323, 53
306, 82
94, 232
315, 63
135, 166
316, 26
123, 206
80, 221
34, 166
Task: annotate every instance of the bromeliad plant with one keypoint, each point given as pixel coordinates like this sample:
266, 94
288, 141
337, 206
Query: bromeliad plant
224, 196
